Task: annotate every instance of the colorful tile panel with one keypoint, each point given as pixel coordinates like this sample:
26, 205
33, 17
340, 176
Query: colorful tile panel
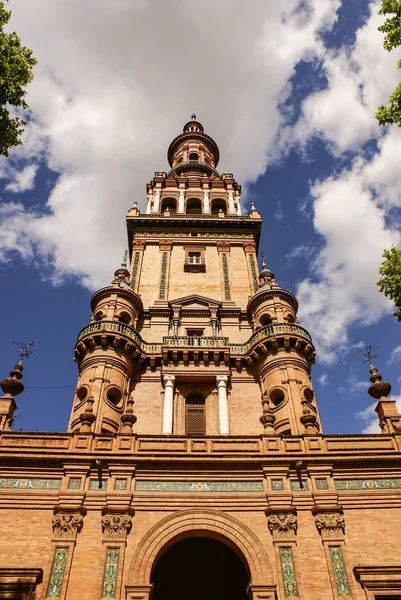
299, 486
97, 486
339, 572
120, 484
34, 484
277, 484
288, 570
199, 486
367, 484
57, 573
74, 483
321, 484
110, 573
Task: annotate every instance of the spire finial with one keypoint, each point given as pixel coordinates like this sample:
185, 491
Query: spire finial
379, 388
124, 261
193, 116
262, 256
24, 350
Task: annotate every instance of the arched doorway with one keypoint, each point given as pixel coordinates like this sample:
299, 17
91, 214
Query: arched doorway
199, 568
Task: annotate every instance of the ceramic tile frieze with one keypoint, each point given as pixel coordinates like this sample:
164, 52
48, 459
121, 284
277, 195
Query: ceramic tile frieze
253, 271
367, 484
97, 486
110, 573
339, 572
288, 571
321, 484
34, 484
299, 486
162, 289
227, 291
135, 270
57, 573
199, 486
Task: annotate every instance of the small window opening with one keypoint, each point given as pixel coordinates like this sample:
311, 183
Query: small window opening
124, 318
277, 396
194, 156
219, 205
114, 395
195, 421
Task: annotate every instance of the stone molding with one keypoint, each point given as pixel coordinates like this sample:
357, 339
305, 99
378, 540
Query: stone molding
68, 522
330, 521
282, 522
116, 523
223, 527
165, 245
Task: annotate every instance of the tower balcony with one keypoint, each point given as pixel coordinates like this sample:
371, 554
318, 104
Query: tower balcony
189, 341
287, 335
115, 333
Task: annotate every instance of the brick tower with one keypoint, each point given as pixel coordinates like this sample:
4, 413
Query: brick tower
194, 465
194, 336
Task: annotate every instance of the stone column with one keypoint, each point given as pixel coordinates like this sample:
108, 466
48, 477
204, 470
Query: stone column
168, 406
156, 203
181, 202
149, 204
221, 381
239, 208
206, 205
231, 207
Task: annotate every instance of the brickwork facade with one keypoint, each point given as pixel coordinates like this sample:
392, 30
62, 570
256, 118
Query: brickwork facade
195, 417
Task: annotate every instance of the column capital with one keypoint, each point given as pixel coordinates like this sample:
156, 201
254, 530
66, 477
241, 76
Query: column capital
168, 379
222, 379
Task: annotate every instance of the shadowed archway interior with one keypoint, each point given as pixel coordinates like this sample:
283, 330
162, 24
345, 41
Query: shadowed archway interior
200, 569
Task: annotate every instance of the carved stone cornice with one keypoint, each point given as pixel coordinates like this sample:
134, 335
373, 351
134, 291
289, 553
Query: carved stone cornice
165, 245
282, 522
223, 246
329, 521
67, 522
138, 244
249, 246
116, 523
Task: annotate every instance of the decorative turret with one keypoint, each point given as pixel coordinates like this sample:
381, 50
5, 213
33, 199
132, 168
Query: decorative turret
193, 157
107, 353
285, 359
12, 386
389, 417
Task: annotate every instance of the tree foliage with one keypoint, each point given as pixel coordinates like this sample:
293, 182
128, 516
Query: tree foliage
392, 39
16, 64
390, 281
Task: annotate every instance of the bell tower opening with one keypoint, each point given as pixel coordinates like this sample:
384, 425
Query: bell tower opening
199, 568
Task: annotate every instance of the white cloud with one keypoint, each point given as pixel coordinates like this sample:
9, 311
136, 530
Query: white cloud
114, 85
323, 380
23, 180
370, 416
395, 355
353, 207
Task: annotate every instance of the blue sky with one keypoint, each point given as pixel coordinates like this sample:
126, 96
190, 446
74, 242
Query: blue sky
287, 89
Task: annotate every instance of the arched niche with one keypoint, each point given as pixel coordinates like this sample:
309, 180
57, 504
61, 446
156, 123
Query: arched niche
219, 205
194, 206
201, 523
169, 204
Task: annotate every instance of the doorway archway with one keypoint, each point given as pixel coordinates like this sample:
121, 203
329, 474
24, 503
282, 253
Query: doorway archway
201, 568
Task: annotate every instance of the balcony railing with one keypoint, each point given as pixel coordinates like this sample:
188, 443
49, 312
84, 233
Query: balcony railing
182, 341
194, 260
104, 326
192, 341
268, 331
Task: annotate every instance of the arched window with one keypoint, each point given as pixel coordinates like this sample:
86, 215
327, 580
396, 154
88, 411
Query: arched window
194, 206
219, 204
169, 204
195, 421
194, 156
265, 320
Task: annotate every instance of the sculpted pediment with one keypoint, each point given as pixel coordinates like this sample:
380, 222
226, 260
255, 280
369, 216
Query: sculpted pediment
195, 301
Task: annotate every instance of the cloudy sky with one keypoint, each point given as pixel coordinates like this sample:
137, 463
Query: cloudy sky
287, 88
